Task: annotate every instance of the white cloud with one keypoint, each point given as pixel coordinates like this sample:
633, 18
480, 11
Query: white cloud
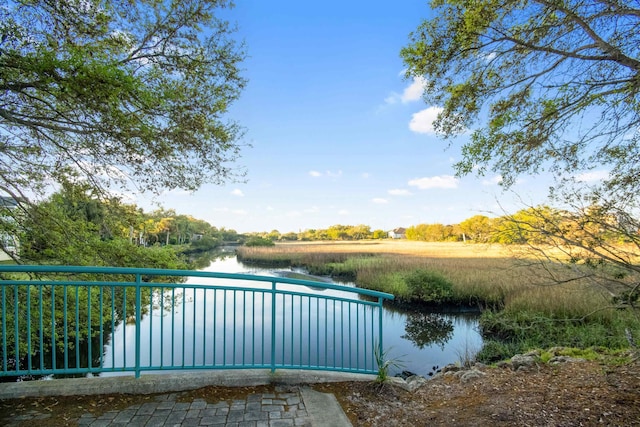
239, 212
422, 121
312, 209
414, 91
411, 93
493, 180
442, 181
592, 176
392, 99
379, 201
343, 212
331, 174
399, 192
490, 56
366, 175
237, 192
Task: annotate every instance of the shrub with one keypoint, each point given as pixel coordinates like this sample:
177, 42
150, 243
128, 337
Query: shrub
494, 351
205, 244
428, 286
259, 241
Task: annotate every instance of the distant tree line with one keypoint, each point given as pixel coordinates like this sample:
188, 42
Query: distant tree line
334, 232
78, 226
533, 225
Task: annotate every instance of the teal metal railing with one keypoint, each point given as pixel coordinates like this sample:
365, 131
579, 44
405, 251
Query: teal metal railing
65, 320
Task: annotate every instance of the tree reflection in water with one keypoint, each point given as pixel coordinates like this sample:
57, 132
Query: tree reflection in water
424, 329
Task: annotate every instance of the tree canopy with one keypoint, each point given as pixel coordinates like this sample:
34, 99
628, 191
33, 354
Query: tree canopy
542, 84
131, 93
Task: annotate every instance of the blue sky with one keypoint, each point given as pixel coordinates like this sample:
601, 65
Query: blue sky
338, 136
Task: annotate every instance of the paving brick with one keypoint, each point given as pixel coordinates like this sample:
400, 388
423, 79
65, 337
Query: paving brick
293, 400
281, 423
222, 411
190, 422
108, 415
212, 421
100, 423
125, 416
139, 421
193, 413
198, 404
156, 421
218, 405
253, 406
255, 416
182, 406
162, 412
147, 408
209, 412
166, 405
235, 416
176, 417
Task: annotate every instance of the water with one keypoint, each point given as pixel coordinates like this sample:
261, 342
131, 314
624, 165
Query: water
419, 341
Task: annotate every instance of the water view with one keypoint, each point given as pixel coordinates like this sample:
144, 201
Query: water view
421, 341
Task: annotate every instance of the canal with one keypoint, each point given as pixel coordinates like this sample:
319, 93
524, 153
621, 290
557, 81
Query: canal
420, 341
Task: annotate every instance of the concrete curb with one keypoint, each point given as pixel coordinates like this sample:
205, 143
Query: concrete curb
324, 409
163, 383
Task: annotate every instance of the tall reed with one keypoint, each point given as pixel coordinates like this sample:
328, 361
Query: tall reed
530, 309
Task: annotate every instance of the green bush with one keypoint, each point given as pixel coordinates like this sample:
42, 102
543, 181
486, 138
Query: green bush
259, 241
428, 286
205, 244
508, 332
494, 351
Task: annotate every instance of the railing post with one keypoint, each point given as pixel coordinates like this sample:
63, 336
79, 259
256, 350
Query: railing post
381, 349
138, 316
273, 326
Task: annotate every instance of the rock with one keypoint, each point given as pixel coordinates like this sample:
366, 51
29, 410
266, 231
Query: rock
414, 382
411, 384
450, 368
471, 375
564, 359
405, 374
524, 360
556, 350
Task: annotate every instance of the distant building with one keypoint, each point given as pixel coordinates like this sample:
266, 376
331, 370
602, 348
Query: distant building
398, 233
9, 244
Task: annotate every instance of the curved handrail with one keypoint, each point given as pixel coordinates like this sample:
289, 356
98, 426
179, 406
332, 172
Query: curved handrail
187, 273
47, 313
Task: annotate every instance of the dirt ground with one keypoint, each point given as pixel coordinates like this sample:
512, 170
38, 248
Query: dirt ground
568, 394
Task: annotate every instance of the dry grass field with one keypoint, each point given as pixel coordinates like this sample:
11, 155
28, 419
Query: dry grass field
490, 273
531, 303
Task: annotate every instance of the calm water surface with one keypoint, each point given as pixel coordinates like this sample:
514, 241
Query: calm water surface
422, 340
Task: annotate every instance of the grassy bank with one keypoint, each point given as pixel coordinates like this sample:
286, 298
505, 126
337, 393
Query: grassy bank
522, 307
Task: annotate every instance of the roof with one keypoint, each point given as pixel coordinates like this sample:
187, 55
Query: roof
8, 202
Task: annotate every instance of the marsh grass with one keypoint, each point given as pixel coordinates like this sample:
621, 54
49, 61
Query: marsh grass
478, 274
523, 307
